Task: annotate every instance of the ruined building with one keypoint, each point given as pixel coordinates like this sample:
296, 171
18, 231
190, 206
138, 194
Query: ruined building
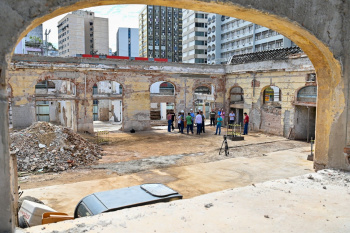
279, 96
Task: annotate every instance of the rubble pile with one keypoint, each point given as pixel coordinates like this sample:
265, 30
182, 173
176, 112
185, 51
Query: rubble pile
45, 147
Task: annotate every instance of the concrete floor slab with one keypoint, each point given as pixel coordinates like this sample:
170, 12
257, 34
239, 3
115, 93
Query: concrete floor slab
315, 202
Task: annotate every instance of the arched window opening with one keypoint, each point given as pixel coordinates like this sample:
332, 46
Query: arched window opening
236, 95
107, 88
162, 88
55, 87
203, 90
307, 94
272, 94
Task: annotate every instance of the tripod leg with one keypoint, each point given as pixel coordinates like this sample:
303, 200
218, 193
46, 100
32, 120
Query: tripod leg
226, 148
221, 147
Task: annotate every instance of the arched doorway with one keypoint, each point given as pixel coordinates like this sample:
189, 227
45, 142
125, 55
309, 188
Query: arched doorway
305, 113
53, 102
107, 105
237, 103
203, 99
162, 100
271, 110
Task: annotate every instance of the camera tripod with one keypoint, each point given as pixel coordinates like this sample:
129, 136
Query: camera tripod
226, 146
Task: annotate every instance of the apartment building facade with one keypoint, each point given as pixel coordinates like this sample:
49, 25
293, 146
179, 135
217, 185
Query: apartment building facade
32, 43
194, 36
160, 33
82, 33
128, 42
229, 36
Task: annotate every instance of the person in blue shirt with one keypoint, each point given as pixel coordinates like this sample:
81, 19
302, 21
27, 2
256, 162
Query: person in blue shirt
218, 125
192, 115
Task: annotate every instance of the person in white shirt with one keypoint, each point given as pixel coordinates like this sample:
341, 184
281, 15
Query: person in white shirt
199, 123
232, 118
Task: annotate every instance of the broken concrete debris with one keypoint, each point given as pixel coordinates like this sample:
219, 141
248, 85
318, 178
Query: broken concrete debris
45, 147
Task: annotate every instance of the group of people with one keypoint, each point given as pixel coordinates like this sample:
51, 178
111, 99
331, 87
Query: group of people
216, 118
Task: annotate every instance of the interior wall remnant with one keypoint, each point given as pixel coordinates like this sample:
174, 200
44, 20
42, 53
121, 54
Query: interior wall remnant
286, 123
271, 120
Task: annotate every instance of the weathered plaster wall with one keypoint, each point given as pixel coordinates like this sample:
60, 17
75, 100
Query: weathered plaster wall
289, 76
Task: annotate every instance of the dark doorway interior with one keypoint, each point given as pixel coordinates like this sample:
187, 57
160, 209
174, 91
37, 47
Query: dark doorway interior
305, 119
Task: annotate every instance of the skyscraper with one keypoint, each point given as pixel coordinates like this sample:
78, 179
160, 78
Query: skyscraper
82, 33
194, 36
160, 31
128, 42
230, 36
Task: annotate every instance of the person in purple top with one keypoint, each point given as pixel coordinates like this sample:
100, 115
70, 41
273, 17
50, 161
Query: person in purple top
199, 123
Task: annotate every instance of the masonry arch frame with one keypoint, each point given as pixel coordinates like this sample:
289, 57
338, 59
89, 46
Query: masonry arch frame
262, 94
163, 112
331, 83
109, 96
299, 89
230, 92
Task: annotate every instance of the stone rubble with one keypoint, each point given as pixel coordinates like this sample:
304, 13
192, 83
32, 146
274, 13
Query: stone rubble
44, 147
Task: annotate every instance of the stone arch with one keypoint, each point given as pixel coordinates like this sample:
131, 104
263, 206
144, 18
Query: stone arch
108, 101
163, 103
165, 81
236, 104
236, 86
270, 97
210, 86
204, 102
297, 92
286, 18
57, 86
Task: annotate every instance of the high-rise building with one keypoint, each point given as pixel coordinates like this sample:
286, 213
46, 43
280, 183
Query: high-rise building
230, 36
194, 36
82, 33
128, 42
32, 43
160, 31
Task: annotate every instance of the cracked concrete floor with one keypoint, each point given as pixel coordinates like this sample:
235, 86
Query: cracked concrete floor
189, 164
316, 202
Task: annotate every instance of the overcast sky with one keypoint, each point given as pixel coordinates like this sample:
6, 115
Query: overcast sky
118, 15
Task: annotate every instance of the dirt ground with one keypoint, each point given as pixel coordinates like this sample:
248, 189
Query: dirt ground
190, 164
128, 153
